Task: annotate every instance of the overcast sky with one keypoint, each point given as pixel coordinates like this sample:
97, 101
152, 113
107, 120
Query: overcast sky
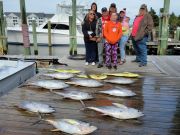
49, 6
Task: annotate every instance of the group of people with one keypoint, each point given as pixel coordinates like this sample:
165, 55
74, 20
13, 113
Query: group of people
107, 31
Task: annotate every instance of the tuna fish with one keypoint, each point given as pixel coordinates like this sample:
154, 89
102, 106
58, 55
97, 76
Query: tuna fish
118, 111
76, 95
86, 83
60, 76
120, 81
119, 92
49, 84
36, 107
71, 126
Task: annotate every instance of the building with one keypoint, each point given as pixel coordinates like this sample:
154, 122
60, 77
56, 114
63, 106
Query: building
14, 18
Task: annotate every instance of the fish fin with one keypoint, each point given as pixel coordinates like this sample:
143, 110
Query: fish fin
84, 106
55, 130
120, 105
36, 122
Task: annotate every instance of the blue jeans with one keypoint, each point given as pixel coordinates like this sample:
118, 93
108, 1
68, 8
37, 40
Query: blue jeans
122, 44
100, 51
140, 49
91, 52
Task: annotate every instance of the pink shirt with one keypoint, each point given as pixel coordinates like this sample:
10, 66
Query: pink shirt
136, 25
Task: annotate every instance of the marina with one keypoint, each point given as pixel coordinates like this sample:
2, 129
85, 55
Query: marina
49, 86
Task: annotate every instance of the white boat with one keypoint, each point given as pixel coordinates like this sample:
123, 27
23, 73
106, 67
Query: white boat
59, 28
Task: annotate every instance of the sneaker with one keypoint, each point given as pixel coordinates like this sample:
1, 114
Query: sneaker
142, 65
99, 66
135, 61
115, 67
86, 63
93, 64
109, 67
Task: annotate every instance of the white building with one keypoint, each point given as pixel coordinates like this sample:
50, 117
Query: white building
14, 18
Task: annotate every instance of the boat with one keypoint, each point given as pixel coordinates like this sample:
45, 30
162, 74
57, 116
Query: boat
59, 28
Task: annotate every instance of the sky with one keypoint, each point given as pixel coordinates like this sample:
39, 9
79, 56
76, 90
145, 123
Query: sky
132, 6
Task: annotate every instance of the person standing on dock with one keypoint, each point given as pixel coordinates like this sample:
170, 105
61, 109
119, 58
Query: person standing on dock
112, 8
112, 34
94, 8
100, 34
124, 20
88, 29
142, 27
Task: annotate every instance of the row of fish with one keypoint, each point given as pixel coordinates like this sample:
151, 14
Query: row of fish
77, 127
72, 126
56, 84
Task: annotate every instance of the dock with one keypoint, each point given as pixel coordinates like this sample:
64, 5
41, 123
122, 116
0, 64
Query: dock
158, 97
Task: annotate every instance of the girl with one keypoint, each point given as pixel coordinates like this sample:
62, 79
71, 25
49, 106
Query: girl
112, 34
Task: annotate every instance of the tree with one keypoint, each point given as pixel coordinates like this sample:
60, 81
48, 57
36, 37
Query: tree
154, 16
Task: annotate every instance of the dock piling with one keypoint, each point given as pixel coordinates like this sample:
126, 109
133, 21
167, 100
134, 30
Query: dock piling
3, 38
26, 41
70, 34
74, 39
164, 20
49, 38
35, 37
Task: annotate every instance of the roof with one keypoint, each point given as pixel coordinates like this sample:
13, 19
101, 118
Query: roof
44, 15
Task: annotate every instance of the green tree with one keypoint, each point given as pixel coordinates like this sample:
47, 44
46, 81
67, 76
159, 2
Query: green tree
155, 17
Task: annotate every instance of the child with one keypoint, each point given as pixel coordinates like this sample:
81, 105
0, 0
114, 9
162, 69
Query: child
124, 39
112, 34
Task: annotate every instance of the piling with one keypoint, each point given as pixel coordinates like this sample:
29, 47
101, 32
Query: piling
70, 35
3, 38
35, 37
163, 39
49, 38
25, 33
74, 39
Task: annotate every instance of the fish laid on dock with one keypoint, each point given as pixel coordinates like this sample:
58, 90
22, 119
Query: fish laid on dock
124, 74
118, 111
94, 76
120, 80
119, 92
49, 84
60, 76
75, 95
72, 126
36, 107
86, 83
73, 71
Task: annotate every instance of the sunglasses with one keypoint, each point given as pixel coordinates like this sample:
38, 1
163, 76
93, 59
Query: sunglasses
92, 14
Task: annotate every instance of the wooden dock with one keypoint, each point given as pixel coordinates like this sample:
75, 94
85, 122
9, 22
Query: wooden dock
158, 96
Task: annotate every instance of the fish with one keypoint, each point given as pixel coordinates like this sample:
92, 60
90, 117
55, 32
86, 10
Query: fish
124, 74
118, 111
119, 92
60, 76
49, 84
86, 83
75, 95
94, 76
73, 71
120, 80
72, 126
36, 107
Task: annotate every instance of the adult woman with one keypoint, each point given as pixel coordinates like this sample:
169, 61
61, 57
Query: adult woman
142, 28
94, 8
88, 29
